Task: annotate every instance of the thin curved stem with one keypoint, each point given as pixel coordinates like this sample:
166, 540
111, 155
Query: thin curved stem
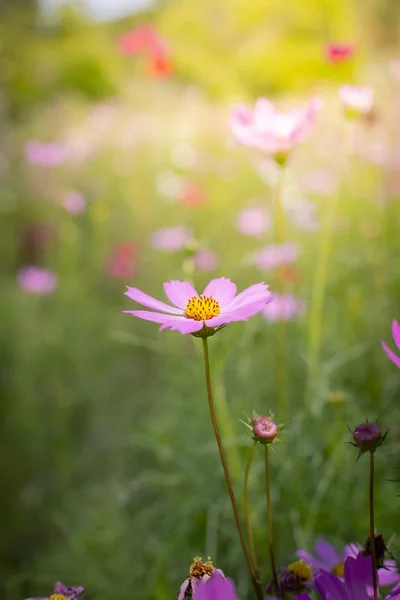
247, 518
279, 239
270, 525
256, 584
372, 524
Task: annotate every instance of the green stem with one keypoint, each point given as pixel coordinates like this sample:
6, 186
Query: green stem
257, 585
372, 524
270, 527
279, 238
247, 511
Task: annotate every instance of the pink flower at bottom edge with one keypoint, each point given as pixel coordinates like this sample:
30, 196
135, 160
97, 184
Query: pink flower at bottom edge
216, 306
396, 336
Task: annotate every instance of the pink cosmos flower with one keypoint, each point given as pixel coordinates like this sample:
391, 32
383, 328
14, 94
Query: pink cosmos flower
205, 260
396, 336
36, 280
270, 131
190, 587
357, 100
275, 255
326, 557
171, 239
42, 154
74, 202
216, 306
284, 307
253, 221
338, 53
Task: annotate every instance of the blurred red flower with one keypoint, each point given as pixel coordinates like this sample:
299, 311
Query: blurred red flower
339, 52
122, 262
145, 39
192, 195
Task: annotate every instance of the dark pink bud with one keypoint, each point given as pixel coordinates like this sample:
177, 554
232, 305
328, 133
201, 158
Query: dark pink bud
264, 429
366, 435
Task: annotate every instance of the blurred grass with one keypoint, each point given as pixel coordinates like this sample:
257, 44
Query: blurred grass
109, 470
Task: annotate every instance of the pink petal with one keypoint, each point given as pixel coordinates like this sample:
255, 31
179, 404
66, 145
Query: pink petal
182, 589
253, 293
391, 355
152, 316
396, 332
388, 575
179, 292
150, 302
310, 559
182, 325
221, 289
352, 549
240, 314
327, 554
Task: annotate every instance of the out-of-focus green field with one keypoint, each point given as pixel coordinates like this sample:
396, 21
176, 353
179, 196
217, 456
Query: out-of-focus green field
110, 476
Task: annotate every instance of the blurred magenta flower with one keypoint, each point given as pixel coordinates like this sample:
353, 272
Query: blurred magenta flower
216, 588
339, 52
326, 557
396, 336
122, 262
283, 308
63, 592
216, 306
36, 280
171, 239
275, 255
199, 572
42, 154
74, 202
205, 260
270, 131
253, 221
357, 100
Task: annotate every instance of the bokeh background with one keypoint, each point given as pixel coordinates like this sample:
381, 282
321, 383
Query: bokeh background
114, 124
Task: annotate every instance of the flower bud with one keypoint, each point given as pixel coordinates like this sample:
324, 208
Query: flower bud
265, 430
368, 437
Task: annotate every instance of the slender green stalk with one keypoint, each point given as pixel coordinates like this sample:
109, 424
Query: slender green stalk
247, 510
372, 524
279, 238
270, 524
257, 585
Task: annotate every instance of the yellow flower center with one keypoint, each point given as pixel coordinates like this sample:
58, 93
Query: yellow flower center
301, 570
200, 568
338, 570
201, 308
58, 597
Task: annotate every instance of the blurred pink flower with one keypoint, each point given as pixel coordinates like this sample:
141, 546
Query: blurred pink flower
283, 308
74, 202
36, 280
394, 67
253, 221
273, 132
274, 255
205, 260
396, 336
357, 100
142, 38
122, 262
171, 239
337, 52
44, 154
192, 195
320, 181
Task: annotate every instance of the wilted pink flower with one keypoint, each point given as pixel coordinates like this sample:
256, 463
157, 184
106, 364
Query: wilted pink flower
123, 260
273, 132
339, 52
44, 154
74, 202
357, 100
216, 306
283, 308
199, 573
36, 280
253, 221
205, 260
171, 239
63, 592
396, 336
275, 255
